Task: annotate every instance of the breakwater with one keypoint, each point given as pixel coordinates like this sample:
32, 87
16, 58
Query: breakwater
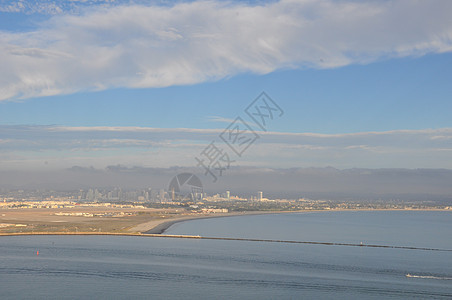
228, 239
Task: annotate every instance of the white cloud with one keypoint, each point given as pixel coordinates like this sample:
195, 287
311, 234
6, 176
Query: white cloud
29, 146
141, 46
218, 119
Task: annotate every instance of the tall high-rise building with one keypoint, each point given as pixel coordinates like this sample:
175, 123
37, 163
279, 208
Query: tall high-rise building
90, 195
228, 195
162, 195
259, 198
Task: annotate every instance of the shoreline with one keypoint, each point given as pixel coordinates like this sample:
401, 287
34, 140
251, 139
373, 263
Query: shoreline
161, 227
158, 227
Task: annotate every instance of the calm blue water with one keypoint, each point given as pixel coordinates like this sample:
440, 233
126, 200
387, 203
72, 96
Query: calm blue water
71, 267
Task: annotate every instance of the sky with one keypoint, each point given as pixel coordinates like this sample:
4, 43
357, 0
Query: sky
359, 84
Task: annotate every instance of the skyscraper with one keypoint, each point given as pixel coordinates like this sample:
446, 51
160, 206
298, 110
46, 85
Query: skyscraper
162, 195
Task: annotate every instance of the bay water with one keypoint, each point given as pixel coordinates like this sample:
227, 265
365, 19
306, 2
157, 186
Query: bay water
120, 267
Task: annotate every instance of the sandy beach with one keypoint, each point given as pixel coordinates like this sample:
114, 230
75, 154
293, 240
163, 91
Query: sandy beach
160, 226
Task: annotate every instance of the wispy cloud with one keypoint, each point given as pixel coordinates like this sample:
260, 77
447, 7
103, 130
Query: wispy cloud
140, 46
217, 119
30, 146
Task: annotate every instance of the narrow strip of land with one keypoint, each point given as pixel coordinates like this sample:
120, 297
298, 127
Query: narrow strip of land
160, 226
229, 239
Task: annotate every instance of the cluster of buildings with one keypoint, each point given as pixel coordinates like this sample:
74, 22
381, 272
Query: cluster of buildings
58, 199
217, 203
61, 204
91, 215
5, 225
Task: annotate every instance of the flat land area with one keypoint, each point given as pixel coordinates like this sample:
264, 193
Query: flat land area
98, 219
85, 219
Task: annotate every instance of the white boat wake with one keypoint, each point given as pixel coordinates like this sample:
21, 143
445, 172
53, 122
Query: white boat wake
427, 277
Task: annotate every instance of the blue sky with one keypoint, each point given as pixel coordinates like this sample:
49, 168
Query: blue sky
346, 71
408, 93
